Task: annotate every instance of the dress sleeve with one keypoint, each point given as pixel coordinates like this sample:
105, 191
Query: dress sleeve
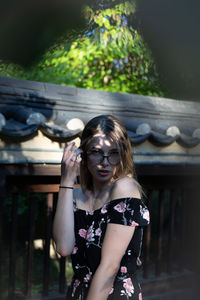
128, 211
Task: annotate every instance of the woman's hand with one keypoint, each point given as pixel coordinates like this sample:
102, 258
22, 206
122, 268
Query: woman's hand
69, 165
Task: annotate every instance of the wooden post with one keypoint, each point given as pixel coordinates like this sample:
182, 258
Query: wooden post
62, 278
31, 227
48, 225
160, 233
196, 242
173, 195
147, 238
13, 241
2, 195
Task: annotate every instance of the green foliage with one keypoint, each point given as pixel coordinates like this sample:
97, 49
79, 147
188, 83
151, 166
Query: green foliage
111, 56
23, 205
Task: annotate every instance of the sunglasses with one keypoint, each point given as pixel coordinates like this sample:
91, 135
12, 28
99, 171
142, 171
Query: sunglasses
97, 157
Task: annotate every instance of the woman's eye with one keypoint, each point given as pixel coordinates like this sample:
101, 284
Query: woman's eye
114, 153
95, 152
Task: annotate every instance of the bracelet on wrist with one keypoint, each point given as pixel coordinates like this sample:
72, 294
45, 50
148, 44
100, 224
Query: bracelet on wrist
66, 187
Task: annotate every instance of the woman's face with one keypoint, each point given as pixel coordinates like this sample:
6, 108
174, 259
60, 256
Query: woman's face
102, 158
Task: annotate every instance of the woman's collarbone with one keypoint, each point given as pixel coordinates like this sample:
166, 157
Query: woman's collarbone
91, 203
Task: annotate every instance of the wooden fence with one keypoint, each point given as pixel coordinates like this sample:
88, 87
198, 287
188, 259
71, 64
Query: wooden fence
172, 203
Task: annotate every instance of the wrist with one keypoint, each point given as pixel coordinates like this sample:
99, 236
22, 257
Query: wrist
66, 187
66, 182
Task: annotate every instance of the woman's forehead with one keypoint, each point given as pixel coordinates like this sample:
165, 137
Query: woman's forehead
101, 140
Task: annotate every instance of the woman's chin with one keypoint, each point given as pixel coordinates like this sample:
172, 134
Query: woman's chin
102, 177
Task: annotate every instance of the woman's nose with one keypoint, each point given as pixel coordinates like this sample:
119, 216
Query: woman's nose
105, 160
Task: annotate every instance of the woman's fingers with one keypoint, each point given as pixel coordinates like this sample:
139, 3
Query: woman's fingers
67, 151
78, 151
70, 155
78, 160
70, 163
74, 158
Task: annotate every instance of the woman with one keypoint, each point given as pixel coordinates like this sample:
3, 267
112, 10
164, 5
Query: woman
100, 223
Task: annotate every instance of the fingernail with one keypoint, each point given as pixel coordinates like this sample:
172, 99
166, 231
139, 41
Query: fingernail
73, 143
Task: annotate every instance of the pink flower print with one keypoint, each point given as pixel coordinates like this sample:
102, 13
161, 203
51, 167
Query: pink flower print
90, 234
87, 277
98, 232
134, 224
140, 296
74, 250
120, 207
89, 212
104, 210
82, 233
144, 213
111, 291
128, 285
138, 262
76, 283
123, 269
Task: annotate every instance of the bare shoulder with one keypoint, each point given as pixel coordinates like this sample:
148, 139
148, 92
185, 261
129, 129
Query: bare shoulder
126, 187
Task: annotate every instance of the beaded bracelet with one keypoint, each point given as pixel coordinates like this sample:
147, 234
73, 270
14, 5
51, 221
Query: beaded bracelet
66, 187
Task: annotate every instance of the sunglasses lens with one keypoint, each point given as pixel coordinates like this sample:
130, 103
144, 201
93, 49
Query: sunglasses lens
113, 158
97, 157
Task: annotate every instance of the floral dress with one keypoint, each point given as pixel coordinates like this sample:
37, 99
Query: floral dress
90, 228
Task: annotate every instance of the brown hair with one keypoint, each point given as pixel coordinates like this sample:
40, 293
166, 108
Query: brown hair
113, 129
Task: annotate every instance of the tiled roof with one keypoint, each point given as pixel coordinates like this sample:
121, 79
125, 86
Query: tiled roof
60, 113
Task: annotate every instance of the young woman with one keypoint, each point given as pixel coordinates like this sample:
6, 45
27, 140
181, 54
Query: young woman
100, 223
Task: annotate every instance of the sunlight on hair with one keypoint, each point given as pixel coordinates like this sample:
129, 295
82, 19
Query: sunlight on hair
99, 138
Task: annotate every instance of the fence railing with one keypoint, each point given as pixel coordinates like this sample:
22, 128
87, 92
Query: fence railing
165, 241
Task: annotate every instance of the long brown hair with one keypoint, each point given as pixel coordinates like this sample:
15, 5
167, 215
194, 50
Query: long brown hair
114, 130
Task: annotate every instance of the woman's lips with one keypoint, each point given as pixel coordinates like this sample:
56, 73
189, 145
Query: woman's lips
103, 172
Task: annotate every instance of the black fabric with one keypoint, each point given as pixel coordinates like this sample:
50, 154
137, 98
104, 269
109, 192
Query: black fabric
90, 228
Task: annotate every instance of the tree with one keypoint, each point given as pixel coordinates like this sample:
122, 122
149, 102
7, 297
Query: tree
110, 56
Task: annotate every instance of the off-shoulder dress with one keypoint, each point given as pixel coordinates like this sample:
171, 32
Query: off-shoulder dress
90, 228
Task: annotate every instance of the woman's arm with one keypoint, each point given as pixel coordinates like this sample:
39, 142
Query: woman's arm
116, 241
63, 226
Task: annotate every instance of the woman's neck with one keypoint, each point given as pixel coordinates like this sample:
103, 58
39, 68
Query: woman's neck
100, 189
